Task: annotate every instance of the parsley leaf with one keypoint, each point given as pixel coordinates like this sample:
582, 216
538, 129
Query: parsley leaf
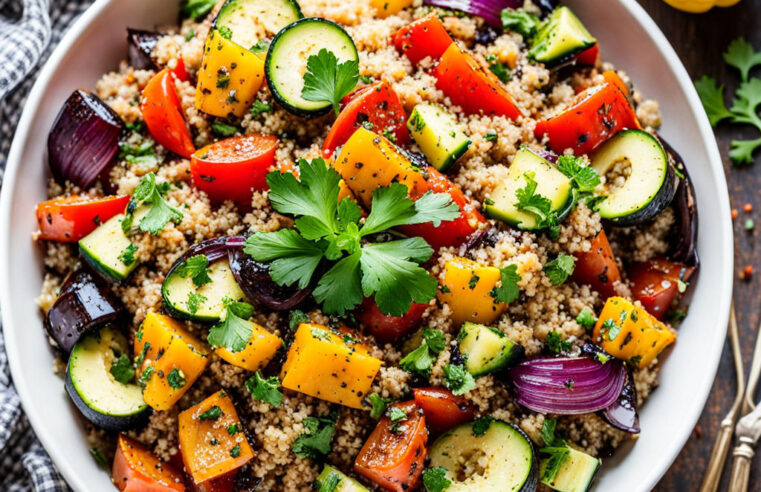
458, 379
127, 256
225, 32
297, 317
326, 80
260, 107
122, 370
315, 441
377, 404
148, 193
498, 68
146, 375
223, 129
260, 46
340, 289
586, 318
548, 433
741, 55
712, 97
584, 178
176, 378
295, 258
197, 268
556, 343
537, 205
235, 331
211, 414
557, 456
559, 269
434, 339
194, 301
195, 9
422, 358
520, 21
508, 290
391, 208
265, 389
435, 479
396, 414
481, 425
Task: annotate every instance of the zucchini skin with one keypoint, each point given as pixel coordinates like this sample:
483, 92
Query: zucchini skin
658, 204
269, 67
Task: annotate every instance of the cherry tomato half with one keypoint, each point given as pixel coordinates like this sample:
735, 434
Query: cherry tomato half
387, 328
424, 37
589, 56
597, 267
442, 409
163, 114
233, 168
69, 219
656, 283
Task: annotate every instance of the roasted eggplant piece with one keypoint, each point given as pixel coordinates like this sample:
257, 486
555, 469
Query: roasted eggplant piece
140, 45
85, 303
623, 413
685, 207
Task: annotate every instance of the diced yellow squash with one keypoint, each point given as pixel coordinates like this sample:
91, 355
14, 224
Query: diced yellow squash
165, 346
329, 366
229, 78
368, 161
212, 441
259, 350
630, 333
384, 8
466, 288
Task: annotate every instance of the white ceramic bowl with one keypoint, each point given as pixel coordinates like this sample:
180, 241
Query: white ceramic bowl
629, 39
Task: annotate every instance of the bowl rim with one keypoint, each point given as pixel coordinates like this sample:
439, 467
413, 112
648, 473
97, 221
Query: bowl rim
723, 285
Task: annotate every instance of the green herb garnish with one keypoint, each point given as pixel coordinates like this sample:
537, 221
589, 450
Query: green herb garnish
556, 343
422, 358
435, 479
315, 441
211, 414
122, 369
326, 80
559, 269
176, 378
458, 379
265, 389
150, 194
235, 331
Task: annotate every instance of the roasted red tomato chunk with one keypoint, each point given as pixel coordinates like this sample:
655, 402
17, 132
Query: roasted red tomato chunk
442, 409
597, 267
656, 283
422, 38
71, 218
387, 328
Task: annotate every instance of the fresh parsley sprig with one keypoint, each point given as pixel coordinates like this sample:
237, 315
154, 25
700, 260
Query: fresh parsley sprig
559, 269
326, 80
537, 205
315, 441
234, 331
265, 389
422, 358
197, 268
330, 233
151, 194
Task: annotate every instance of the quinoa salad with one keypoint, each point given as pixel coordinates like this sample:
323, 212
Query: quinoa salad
363, 245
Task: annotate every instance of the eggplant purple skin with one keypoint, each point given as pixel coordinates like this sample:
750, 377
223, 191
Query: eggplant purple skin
140, 45
85, 303
84, 139
686, 225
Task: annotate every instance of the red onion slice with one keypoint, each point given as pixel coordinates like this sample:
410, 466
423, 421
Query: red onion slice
490, 10
140, 45
84, 139
566, 385
622, 414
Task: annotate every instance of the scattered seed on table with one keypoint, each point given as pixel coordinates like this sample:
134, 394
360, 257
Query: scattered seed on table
734, 213
748, 208
746, 273
749, 224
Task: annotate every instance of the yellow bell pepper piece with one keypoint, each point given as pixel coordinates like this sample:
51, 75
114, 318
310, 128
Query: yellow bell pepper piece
329, 366
699, 6
466, 288
630, 333
384, 8
368, 161
164, 346
259, 350
212, 441
229, 78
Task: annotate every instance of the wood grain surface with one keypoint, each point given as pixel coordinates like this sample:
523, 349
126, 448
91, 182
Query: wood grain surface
699, 40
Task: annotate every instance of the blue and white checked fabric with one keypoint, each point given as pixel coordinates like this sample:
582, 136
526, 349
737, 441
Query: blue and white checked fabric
29, 30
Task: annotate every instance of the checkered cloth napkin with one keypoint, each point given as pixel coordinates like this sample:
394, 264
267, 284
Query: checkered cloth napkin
29, 30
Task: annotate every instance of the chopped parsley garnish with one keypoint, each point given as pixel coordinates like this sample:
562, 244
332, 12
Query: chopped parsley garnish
235, 451
140, 358
225, 32
491, 136
297, 317
481, 425
99, 458
326, 80
233, 429
211, 414
122, 369
498, 68
396, 414
260, 46
315, 441
634, 361
583, 178
508, 290
150, 194
556, 343
741, 55
586, 318
366, 79
520, 21
195, 9
676, 315
389, 135
223, 129
235, 331
145, 376
194, 301
435, 479
260, 107
610, 328
458, 379
537, 205
559, 269
144, 154
321, 334
473, 281
554, 462
197, 268
128, 255
326, 230
265, 389
549, 438
176, 378
422, 358
378, 405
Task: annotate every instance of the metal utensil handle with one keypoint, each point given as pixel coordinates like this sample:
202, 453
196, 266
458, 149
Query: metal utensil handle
718, 457
738, 481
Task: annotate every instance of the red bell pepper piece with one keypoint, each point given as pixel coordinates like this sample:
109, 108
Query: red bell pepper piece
597, 267
471, 87
449, 233
442, 409
375, 104
387, 328
589, 56
69, 219
592, 117
136, 469
163, 114
394, 454
656, 283
181, 71
424, 37
232, 168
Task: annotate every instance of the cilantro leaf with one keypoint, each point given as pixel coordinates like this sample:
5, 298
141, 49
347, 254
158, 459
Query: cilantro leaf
211, 414
315, 441
261, 46
434, 339
390, 272
586, 318
508, 291
127, 256
340, 289
556, 343
498, 68
235, 331
418, 361
197, 268
741, 151
548, 433
435, 479
559, 269
265, 389
391, 208
712, 97
582, 177
744, 105
295, 258
122, 369
481, 425
740, 54
326, 80
458, 379
148, 193
520, 21
537, 205
377, 405
195, 9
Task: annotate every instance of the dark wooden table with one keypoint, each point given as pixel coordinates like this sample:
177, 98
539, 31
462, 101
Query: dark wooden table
700, 39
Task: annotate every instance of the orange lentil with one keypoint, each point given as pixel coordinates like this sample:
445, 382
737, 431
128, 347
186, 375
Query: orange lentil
746, 272
734, 213
748, 208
